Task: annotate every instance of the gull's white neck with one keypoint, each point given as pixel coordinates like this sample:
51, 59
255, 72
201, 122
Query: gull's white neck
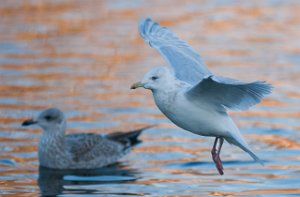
165, 96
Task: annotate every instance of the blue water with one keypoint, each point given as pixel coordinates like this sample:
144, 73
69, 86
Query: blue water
82, 57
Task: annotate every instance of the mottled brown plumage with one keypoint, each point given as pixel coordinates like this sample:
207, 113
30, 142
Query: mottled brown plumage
78, 151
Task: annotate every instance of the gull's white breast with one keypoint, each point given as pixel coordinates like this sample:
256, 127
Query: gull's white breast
201, 119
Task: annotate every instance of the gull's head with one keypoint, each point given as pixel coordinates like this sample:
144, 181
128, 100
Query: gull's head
51, 119
157, 78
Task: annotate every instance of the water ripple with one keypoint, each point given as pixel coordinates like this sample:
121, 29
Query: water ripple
82, 57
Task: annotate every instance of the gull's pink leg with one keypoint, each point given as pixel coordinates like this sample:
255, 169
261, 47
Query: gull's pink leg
214, 150
218, 159
216, 154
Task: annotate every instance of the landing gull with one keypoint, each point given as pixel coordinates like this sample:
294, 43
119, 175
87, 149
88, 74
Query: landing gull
80, 150
192, 97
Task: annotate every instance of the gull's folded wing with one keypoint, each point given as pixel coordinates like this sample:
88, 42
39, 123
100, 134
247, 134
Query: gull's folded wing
186, 62
228, 93
86, 147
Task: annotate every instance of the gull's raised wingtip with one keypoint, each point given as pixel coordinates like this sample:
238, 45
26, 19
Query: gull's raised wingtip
141, 27
144, 26
145, 20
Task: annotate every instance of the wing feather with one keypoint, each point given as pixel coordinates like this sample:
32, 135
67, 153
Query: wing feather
229, 93
86, 147
185, 61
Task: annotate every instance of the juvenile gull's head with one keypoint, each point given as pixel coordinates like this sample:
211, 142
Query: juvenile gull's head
51, 120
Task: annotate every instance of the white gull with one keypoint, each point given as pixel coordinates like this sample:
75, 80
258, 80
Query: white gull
192, 97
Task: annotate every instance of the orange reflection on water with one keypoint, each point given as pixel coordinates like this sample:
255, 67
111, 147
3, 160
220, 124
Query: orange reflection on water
170, 149
270, 191
82, 57
278, 141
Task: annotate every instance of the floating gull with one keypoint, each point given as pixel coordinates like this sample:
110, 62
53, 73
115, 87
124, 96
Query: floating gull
192, 97
78, 151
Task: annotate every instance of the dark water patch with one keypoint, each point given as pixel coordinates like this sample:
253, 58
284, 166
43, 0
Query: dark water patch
53, 181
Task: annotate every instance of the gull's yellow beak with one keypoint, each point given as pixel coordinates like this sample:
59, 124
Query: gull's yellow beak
137, 85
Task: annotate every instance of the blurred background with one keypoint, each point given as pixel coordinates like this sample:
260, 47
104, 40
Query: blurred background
82, 57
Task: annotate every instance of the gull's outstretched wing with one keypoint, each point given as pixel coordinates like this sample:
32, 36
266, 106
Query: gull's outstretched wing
186, 62
228, 93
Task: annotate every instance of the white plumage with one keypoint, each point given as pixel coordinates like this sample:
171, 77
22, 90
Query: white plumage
195, 99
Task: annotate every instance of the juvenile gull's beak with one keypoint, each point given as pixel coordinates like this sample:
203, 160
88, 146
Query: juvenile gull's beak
137, 85
29, 122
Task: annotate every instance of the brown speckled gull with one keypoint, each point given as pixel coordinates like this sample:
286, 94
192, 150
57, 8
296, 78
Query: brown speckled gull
78, 151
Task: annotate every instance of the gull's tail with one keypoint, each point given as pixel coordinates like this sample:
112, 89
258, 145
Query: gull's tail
129, 138
238, 140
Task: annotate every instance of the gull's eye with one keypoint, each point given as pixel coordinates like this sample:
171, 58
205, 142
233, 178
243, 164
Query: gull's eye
154, 78
48, 117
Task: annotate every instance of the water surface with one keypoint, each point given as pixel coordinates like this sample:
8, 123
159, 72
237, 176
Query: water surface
82, 57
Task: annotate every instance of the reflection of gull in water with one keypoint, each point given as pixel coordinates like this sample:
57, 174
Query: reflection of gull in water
195, 99
54, 182
78, 151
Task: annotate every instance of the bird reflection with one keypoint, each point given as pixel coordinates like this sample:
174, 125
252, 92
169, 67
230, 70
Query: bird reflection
53, 182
